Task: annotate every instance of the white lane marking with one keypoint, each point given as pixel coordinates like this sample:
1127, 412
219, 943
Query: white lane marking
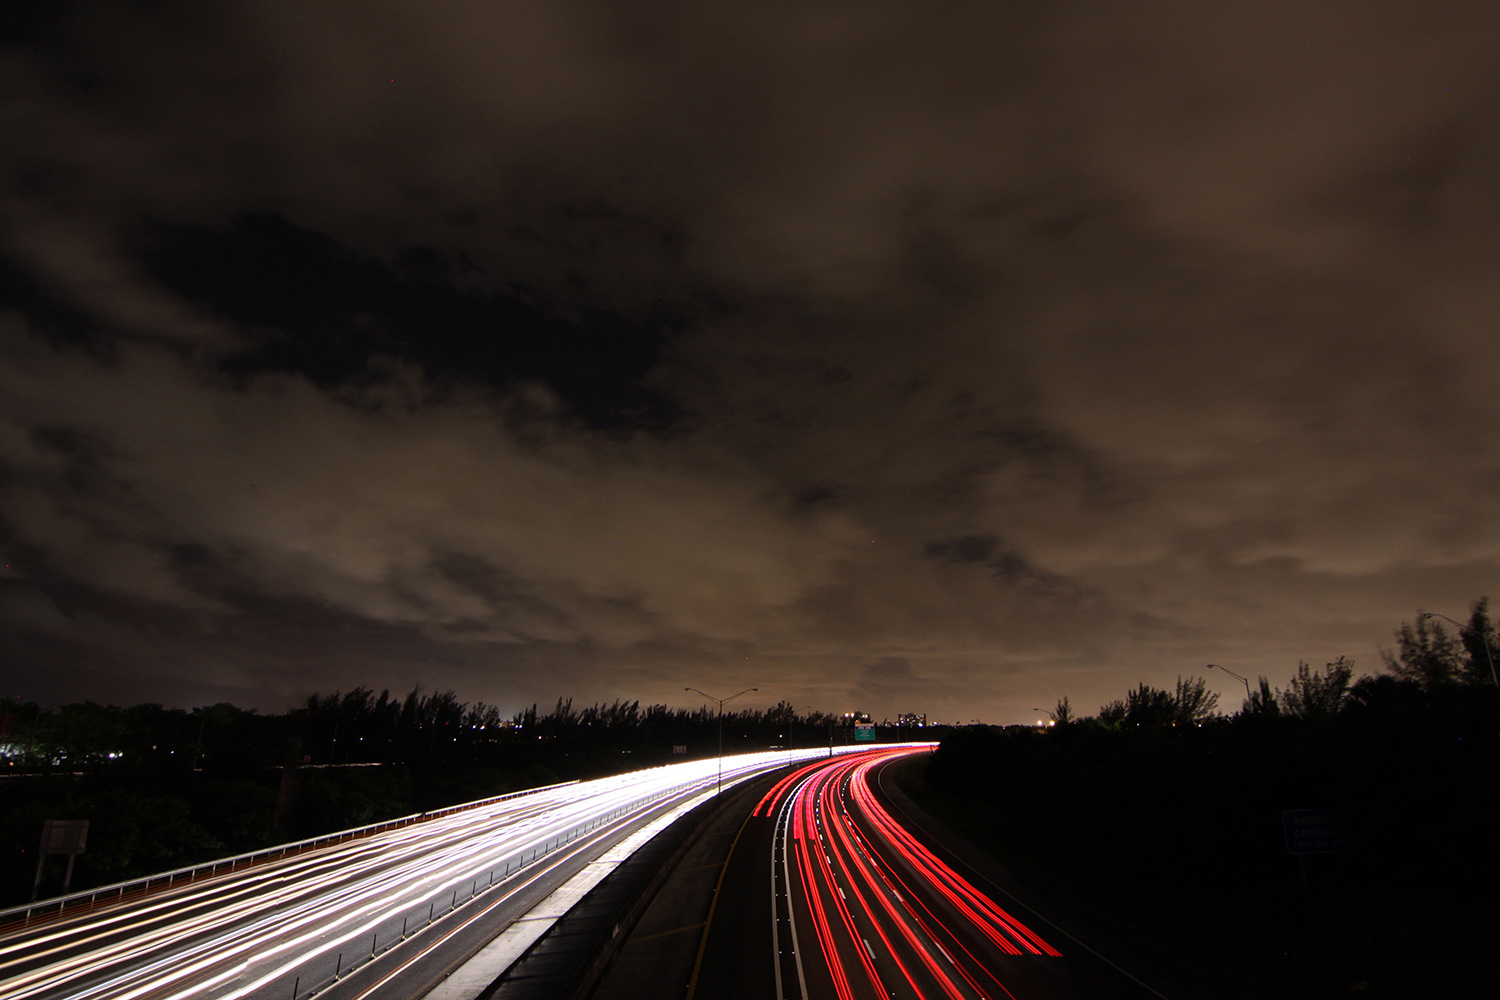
785, 824
775, 916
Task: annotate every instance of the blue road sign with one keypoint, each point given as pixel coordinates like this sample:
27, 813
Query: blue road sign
1312, 831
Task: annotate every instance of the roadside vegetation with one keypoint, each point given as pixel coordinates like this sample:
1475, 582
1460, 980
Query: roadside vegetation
1159, 824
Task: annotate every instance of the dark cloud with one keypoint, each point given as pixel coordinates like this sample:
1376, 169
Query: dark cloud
557, 348
317, 308
966, 549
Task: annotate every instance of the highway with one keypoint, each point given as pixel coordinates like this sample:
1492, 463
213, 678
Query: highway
850, 903
359, 915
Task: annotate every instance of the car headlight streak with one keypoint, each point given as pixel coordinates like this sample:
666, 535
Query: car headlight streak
229, 934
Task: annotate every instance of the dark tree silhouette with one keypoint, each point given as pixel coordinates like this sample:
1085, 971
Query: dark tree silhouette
1316, 694
1480, 642
1063, 713
1190, 704
1263, 701
1193, 704
1426, 653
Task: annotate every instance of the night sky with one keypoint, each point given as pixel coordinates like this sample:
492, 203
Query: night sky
904, 356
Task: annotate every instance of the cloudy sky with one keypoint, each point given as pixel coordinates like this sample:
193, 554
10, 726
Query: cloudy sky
938, 357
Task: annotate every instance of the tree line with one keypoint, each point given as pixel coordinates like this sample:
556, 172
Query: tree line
1427, 661
362, 726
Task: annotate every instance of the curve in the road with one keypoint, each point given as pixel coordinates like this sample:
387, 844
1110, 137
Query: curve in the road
299, 924
864, 909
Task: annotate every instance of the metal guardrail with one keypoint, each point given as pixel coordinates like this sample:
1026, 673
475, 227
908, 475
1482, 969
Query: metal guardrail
133, 888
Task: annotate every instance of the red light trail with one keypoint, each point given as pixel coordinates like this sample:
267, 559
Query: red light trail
890, 917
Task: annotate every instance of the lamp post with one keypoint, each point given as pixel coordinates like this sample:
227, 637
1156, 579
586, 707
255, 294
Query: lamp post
1248, 699
1482, 638
721, 702
1044, 723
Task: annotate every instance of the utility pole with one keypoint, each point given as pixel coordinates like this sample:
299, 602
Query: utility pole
1248, 699
721, 702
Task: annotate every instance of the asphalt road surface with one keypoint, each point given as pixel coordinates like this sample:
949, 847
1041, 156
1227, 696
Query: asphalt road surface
346, 913
827, 895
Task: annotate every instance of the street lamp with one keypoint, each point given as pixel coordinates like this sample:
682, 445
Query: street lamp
1482, 638
721, 702
1248, 699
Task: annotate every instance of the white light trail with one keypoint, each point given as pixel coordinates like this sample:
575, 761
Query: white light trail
232, 934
